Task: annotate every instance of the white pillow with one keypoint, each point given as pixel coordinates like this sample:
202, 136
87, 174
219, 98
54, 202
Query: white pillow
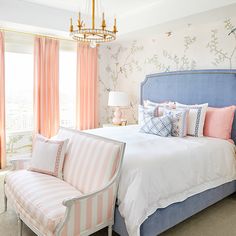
48, 156
143, 112
196, 118
63, 134
159, 106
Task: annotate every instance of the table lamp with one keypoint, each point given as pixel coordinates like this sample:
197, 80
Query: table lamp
118, 99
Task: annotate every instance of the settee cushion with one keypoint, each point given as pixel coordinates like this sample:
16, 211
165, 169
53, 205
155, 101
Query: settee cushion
40, 195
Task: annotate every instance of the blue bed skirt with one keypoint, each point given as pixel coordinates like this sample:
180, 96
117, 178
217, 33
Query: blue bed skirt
168, 217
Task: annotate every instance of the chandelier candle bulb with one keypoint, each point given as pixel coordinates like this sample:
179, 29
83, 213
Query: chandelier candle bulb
115, 28
103, 22
71, 25
80, 23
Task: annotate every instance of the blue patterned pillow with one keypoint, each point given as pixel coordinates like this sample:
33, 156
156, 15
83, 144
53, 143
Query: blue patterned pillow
160, 126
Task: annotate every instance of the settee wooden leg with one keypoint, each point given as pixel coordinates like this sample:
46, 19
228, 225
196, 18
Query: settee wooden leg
5, 202
110, 230
5, 197
19, 226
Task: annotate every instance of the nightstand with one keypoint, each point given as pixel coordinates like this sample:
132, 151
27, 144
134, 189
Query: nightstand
110, 125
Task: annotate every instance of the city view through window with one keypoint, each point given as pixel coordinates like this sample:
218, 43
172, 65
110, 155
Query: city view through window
19, 98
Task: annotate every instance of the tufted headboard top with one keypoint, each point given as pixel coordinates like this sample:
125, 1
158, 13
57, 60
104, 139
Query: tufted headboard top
215, 87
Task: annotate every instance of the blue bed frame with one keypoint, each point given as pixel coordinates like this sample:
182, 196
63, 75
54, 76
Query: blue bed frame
218, 89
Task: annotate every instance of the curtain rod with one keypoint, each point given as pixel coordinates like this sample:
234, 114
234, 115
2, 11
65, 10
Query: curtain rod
36, 34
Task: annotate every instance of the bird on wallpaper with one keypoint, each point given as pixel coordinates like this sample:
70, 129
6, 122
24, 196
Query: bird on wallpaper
232, 31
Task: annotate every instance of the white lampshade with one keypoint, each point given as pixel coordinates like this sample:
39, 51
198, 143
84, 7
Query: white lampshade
118, 99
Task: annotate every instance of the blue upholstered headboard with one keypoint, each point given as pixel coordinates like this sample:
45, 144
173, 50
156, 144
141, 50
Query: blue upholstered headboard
215, 87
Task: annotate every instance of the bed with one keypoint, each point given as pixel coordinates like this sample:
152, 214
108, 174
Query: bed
212, 159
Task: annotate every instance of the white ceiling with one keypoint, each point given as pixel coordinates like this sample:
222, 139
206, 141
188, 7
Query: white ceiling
112, 7
133, 16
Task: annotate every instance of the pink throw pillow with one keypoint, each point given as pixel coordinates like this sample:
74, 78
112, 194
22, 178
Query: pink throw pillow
218, 122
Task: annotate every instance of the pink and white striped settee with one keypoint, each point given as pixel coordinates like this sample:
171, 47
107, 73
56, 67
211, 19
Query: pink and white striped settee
80, 204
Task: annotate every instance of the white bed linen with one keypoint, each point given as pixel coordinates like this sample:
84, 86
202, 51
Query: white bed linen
158, 171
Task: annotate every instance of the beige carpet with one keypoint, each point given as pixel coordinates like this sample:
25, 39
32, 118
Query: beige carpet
217, 220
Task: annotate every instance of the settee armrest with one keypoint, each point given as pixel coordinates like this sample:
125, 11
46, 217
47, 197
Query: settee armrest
21, 162
95, 211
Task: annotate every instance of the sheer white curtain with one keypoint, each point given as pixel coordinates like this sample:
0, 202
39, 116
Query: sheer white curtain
2, 104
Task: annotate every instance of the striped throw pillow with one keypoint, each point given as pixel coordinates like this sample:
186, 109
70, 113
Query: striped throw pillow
196, 118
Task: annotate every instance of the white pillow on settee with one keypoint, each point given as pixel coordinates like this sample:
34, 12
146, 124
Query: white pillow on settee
48, 155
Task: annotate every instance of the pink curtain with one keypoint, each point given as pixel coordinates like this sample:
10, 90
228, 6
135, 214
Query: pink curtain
46, 86
86, 88
2, 105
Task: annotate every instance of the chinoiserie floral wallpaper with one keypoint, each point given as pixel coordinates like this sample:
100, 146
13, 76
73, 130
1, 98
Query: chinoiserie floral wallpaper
124, 65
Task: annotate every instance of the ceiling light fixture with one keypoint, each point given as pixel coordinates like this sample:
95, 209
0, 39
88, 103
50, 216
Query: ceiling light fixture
92, 34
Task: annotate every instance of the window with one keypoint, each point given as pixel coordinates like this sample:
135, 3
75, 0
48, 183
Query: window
19, 102
19, 66
67, 91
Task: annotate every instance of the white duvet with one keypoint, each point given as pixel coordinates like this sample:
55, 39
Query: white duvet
159, 171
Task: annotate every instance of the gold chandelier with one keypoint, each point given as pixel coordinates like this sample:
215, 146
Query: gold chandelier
93, 35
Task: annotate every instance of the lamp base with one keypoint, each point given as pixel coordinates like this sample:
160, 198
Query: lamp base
117, 117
